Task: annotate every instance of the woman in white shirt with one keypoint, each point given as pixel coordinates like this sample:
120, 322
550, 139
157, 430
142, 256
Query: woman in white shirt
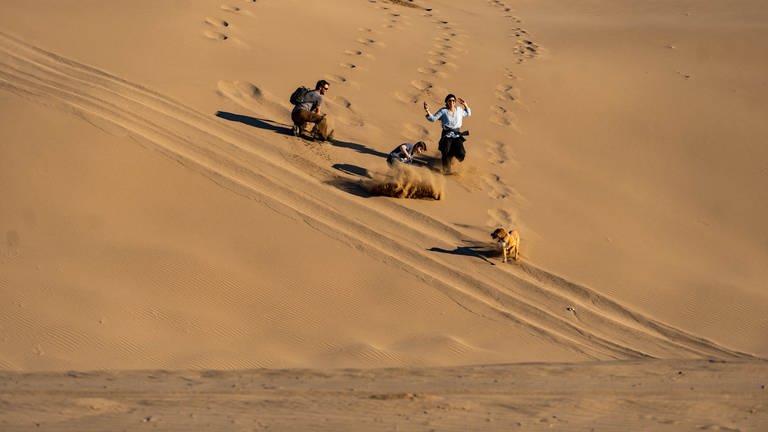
451, 138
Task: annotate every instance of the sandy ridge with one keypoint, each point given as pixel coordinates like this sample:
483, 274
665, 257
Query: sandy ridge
227, 163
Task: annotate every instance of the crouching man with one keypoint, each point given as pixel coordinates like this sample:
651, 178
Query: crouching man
308, 111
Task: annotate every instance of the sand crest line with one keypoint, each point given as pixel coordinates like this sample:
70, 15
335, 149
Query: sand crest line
222, 154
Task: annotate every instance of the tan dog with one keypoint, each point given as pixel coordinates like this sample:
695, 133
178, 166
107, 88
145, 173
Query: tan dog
509, 241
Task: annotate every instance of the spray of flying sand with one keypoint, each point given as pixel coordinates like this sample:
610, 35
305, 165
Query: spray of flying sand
405, 181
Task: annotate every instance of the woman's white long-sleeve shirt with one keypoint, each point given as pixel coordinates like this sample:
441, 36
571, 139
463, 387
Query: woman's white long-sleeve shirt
450, 120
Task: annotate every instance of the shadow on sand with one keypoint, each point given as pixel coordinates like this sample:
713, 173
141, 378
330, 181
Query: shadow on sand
273, 126
354, 187
286, 129
352, 170
358, 148
479, 251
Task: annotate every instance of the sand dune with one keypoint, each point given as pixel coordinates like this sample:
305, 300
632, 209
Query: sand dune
159, 214
201, 144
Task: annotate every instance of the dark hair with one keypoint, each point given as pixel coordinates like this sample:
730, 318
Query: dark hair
420, 144
450, 95
320, 84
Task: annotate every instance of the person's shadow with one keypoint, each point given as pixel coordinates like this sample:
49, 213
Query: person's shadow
286, 129
273, 126
355, 187
358, 148
352, 170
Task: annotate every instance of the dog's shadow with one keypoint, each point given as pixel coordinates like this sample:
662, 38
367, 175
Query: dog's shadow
481, 251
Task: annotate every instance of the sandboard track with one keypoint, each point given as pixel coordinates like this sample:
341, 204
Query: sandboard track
224, 154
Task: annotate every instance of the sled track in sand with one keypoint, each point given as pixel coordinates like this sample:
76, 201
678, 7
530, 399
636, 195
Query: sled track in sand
523, 295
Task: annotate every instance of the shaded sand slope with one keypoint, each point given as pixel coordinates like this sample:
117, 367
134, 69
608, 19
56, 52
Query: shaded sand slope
668, 395
175, 222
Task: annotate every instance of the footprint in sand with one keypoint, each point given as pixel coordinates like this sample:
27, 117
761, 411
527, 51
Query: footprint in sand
214, 35
428, 71
250, 96
501, 5
497, 152
244, 93
496, 187
230, 8
510, 74
215, 22
500, 217
369, 42
524, 48
408, 99
217, 25
501, 116
519, 32
393, 20
345, 112
527, 48
442, 54
350, 66
335, 78
343, 102
506, 93
422, 85
414, 132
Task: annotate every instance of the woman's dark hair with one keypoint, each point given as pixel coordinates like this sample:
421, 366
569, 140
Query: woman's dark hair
450, 95
320, 84
421, 144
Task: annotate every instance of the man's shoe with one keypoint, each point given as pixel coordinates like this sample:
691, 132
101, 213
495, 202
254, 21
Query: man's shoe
296, 130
